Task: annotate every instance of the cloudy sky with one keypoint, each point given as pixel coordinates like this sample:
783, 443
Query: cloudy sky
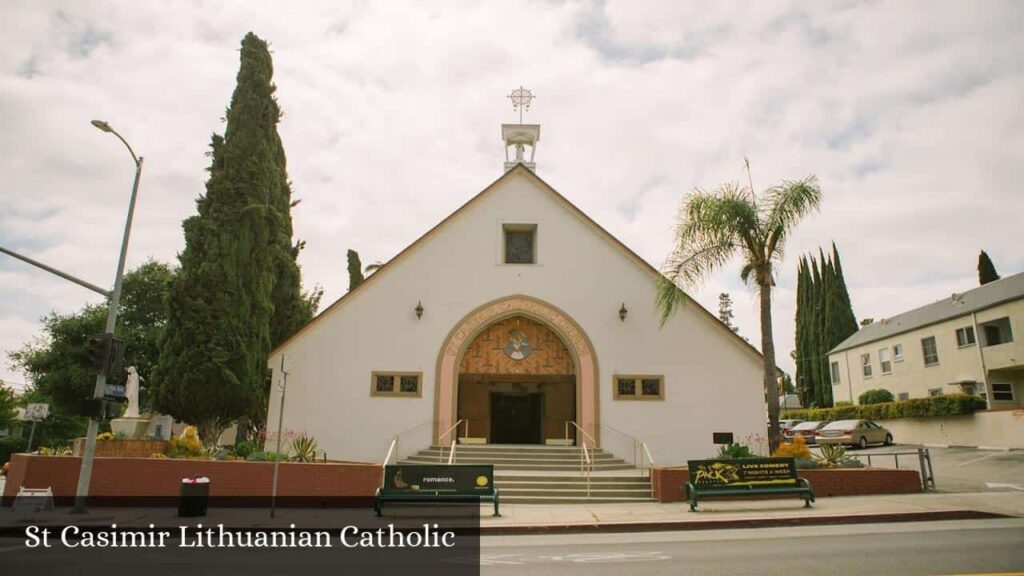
909, 113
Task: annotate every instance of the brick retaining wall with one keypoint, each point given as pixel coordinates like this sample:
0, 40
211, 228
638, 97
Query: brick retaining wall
159, 477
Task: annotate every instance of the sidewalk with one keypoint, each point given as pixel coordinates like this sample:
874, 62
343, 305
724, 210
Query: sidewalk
525, 518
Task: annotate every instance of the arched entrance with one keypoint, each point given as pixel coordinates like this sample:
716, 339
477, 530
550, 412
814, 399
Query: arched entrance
517, 368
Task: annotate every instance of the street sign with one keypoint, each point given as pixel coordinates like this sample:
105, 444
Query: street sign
37, 412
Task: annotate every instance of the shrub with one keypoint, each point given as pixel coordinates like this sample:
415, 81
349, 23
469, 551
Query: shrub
304, 449
831, 455
735, 451
243, 449
261, 456
875, 396
951, 405
805, 463
11, 445
796, 449
842, 404
105, 436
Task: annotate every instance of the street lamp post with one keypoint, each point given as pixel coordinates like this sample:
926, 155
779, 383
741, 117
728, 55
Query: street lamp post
101, 379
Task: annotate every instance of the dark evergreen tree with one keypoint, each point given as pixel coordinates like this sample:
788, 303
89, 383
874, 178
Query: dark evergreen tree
986, 269
725, 311
238, 288
824, 318
355, 269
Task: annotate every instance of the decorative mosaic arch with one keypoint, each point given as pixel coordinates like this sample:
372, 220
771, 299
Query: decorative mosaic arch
450, 358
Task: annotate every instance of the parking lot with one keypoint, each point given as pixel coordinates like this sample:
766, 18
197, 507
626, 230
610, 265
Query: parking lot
955, 469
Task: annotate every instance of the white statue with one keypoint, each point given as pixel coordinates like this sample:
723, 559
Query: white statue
131, 390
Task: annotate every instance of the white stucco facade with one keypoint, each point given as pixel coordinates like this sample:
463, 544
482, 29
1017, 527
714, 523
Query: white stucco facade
712, 378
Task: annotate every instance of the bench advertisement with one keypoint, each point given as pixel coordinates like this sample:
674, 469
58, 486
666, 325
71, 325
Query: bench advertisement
440, 478
743, 472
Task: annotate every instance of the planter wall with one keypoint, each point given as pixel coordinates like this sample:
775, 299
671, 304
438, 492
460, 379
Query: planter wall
668, 482
141, 478
123, 448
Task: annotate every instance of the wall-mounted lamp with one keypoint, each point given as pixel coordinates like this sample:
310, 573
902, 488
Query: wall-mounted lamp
419, 310
623, 312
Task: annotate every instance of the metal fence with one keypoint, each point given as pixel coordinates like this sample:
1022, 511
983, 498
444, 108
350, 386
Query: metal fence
920, 455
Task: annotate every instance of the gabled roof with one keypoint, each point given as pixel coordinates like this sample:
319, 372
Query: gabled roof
519, 169
991, 294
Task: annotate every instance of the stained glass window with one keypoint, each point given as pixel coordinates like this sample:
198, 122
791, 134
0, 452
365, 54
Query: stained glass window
410, 384
385, 383
651, 386
627, 387
519, 246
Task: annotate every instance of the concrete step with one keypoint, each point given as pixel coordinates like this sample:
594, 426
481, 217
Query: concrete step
573, 485
474, 459
555, 478
533, 466
579, 493
571, 499
460, 453
517, 448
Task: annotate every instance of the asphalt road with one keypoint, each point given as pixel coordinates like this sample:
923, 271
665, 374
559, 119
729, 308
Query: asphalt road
958, 469
967, 547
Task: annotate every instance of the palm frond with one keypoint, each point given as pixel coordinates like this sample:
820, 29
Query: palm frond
789, 203
687, 265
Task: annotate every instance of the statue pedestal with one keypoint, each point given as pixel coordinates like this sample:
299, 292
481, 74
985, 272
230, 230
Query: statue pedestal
132, 428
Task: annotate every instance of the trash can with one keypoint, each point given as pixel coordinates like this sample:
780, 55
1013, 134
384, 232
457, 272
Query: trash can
195, 496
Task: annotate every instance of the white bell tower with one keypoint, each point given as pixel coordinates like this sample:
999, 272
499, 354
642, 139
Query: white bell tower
517, 137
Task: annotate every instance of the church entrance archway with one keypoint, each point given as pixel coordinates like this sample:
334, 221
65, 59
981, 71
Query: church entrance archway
517, 370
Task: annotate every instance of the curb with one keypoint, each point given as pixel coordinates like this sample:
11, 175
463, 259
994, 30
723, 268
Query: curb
667, 526
688, 525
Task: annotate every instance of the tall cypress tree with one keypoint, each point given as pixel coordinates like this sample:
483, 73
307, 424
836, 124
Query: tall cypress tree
237, 289
986, 269
355, 269
824, 318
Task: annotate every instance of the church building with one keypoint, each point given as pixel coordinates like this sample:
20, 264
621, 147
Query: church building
516, 322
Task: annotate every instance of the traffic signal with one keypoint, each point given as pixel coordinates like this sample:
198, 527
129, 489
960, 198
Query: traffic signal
99, 352
101, 408
106, 354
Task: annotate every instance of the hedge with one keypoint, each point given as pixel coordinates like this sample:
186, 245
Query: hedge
951, 405
11, 445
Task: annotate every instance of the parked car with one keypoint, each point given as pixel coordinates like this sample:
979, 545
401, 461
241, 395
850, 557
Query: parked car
786, 425
808, 429
854, 433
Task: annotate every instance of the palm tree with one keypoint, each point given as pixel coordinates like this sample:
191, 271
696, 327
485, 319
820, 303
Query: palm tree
714, 226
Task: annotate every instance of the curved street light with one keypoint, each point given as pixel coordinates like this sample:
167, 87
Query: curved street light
85, 474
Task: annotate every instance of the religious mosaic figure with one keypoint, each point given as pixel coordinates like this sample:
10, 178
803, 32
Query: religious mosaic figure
518, 348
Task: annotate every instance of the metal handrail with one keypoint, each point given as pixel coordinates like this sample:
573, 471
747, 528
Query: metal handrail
586, 469
451, 454
440, 438
585, 435
640, 449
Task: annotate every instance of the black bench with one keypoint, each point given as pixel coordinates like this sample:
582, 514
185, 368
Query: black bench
745, 477
437, 483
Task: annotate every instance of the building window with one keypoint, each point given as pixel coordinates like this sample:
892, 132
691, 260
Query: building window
520, 243
897, 352
865, 365
884, 361
639, 387
931, 353
965, 336
903, 396
996, 332
935, 392
403, 384
835, 373
1002, 392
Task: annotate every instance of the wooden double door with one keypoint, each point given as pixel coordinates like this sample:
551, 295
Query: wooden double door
517, 418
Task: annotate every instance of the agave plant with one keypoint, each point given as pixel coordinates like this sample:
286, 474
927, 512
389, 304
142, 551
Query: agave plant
304, 448
832, 454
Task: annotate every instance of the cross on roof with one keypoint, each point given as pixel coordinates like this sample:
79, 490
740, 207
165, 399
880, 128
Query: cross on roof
521, 98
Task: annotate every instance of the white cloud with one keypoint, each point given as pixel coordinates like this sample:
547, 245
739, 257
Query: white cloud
909, 113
